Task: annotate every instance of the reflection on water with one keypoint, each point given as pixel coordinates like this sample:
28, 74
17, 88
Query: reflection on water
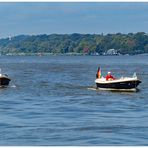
53, 100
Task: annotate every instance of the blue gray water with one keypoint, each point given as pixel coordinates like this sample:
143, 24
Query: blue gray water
51, 101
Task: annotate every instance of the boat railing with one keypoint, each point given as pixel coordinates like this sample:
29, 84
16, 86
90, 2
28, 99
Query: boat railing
5, 75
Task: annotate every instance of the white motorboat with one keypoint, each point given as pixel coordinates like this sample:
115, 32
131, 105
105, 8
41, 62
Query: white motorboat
121, 84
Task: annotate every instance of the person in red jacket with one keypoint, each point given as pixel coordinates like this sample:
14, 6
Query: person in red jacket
109, 77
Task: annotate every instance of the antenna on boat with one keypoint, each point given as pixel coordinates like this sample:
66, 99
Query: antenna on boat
134, 75
10, 38
0, 72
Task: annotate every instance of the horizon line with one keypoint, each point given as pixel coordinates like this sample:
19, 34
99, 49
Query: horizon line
10, 36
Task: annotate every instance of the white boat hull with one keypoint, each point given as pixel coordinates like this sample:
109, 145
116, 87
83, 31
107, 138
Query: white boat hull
122, 84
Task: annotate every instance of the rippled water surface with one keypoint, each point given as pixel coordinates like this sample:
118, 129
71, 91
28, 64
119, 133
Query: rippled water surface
52, 100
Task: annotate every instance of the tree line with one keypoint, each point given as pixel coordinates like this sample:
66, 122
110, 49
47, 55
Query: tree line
131, 43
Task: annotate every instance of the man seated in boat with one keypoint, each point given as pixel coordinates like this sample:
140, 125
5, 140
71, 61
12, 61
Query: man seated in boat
109, 77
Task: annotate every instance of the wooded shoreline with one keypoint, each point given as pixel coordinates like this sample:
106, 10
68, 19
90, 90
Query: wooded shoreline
76, 44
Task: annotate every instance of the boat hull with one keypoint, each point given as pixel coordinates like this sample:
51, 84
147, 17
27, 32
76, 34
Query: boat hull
4, 81
130, 85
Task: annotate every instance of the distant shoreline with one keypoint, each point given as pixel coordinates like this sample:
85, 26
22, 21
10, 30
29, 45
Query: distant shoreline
66, 54
76, 44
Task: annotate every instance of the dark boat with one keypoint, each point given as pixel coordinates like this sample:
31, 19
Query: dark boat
4, 80
122, 84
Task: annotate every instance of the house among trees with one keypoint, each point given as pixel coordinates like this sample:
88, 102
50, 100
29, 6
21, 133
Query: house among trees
111, 52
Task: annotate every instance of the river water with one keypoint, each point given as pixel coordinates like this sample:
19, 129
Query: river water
52, 100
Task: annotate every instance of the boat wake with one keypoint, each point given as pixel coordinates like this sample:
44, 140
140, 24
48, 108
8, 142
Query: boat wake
92, 88
12, 86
